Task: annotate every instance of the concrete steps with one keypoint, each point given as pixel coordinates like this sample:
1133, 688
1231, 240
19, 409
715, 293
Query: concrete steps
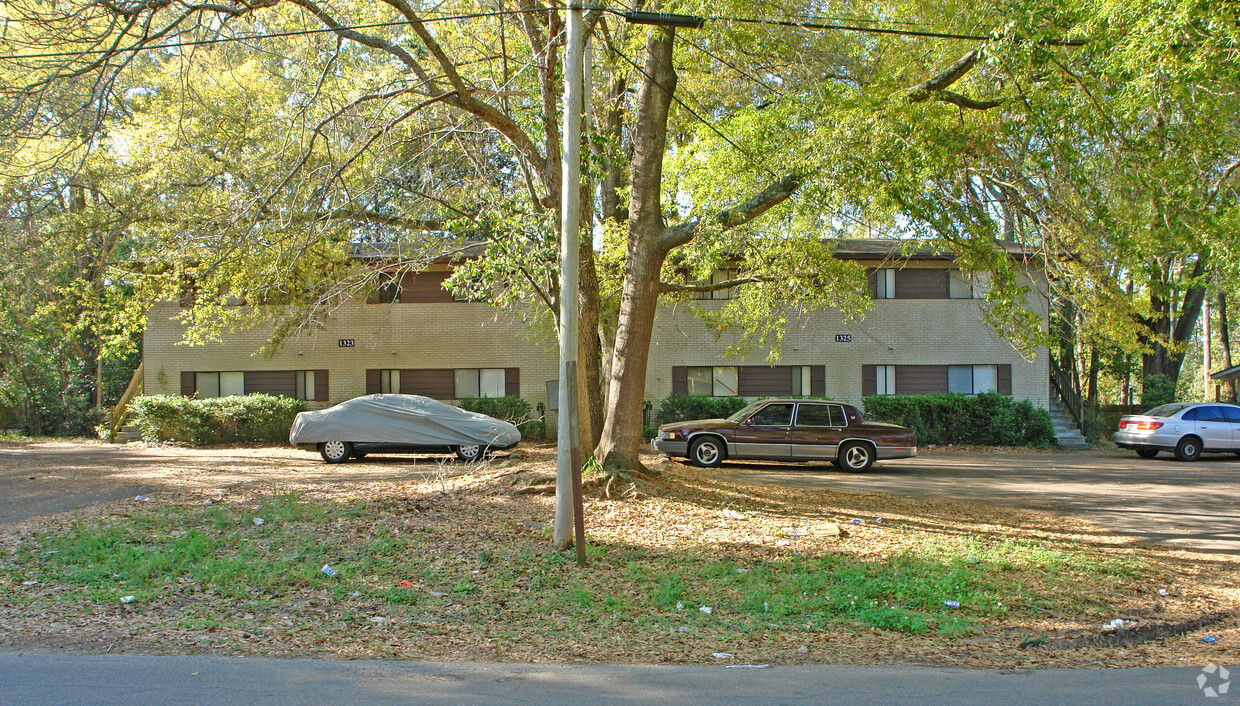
1067, 433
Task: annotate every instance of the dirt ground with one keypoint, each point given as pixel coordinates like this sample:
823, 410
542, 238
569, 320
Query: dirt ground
40, 479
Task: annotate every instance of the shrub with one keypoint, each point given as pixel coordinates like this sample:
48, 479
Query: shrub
954, 418
1157, 390
679, 408
510, 408
262, 418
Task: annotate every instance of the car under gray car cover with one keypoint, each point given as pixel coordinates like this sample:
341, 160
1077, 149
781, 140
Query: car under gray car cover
401, 419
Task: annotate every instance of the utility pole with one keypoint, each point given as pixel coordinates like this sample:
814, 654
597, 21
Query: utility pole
568, 455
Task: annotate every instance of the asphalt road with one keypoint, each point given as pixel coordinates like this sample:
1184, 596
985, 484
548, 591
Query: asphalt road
1192, 505
140, 680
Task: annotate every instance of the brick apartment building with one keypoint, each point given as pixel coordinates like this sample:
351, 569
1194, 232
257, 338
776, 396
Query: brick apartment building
925, 334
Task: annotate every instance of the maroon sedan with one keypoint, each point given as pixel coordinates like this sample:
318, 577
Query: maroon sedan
788, 430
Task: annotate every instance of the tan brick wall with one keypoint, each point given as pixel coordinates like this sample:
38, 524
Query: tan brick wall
467, 335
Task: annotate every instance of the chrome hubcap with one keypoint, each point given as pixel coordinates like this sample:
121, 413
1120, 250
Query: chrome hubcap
856, 457
334, 449
707, 453
470, 451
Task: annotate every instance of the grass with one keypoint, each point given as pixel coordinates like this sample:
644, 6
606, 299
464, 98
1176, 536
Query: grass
174, 553
469, 574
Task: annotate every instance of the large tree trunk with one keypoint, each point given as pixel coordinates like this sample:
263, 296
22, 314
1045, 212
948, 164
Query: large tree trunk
621, 440
1167, 339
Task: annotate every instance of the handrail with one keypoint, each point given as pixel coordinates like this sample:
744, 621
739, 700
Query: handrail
122, 405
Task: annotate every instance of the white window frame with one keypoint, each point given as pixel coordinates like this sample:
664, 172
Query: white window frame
303, 385
884, 379
482, 382
801, 385
724, 380
885, 283
389, 382
219, 384
982, 379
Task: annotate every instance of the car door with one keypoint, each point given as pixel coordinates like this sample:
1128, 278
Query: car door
1233, 416
764, 434
817, 431
1213, 427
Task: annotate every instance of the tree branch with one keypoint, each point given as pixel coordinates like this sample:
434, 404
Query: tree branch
741, 214
922, 91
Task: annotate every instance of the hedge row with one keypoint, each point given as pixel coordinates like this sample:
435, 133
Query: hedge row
679, 408
954, 418
258, 417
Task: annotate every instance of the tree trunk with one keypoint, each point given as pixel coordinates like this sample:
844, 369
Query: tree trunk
1225, 343
1205, 350
621, 440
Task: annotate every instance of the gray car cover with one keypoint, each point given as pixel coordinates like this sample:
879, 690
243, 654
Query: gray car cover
401, 419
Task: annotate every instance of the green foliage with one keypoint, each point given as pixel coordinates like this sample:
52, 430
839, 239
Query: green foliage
679, 408
1158, 389
954, 418
510, 408
262, 418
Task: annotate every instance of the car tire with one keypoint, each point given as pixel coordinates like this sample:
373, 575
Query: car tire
707, 452
1189, 449
856, 457
469, 452
335, 451
1147, 453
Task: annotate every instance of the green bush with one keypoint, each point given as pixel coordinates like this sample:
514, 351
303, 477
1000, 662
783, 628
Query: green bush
510, 408
953, 418
679, 408
1157, 390
263, 418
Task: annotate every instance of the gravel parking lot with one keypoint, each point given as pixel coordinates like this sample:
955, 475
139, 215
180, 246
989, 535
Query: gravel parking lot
1192, 505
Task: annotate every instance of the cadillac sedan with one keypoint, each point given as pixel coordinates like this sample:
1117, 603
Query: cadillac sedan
788, 430
400, 424
1185, 429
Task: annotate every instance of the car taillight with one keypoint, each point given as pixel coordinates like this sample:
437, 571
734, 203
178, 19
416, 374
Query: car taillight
1140, 426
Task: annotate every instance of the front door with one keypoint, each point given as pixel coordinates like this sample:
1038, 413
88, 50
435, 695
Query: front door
764, 434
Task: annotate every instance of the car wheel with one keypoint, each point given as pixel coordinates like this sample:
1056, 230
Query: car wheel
856, 457
1147, 453
335, 451
707, 452
469, 452
1188, 449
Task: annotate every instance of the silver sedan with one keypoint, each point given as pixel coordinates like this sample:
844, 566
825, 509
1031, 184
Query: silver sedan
1187, 429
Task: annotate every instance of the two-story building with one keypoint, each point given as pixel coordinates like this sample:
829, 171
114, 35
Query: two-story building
924, 334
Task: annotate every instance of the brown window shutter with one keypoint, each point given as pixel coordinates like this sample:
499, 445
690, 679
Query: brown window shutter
818, 379
320, 386
512, 381
271, 382
869, 380
372, 382
763, 381
680, 380
187, 383
436, 383
1004, 382
921, 284
871, 278
921, 379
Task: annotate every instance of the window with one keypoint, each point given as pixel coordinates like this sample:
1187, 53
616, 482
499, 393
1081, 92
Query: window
972, 379
773, 415
885, 283
723, 274
717, 381
303, 382
389, 291
885, 379
219, 384
958, 287
478, 382
814, 415
389, 382
800, 381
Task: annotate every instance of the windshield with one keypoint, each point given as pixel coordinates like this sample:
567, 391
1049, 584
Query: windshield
1165, 410
745, 411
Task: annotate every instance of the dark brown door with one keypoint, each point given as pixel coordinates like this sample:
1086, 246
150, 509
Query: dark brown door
817, 431
764, 434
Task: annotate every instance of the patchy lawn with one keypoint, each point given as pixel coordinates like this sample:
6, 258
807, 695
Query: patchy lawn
455, 564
